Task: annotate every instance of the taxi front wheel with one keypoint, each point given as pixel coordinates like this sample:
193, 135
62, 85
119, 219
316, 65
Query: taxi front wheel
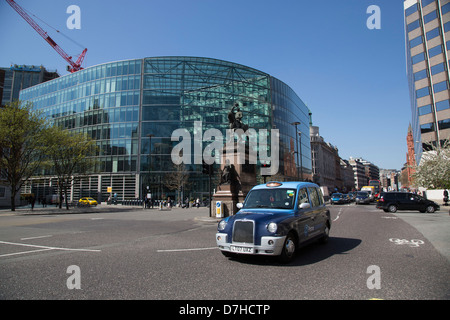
289, 248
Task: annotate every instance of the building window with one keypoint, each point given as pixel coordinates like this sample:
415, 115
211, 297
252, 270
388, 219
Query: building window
419, 75
429, 17
418, 58
444, 124
426, 2
445, 8
427, 127
442, 105
447, 26
415, 42
422, 92
425, 110
411, 10
438, 68
433, 33
441, 86
435, 51
413, 25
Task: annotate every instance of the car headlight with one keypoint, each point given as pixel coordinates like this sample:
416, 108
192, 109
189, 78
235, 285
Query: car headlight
272, 227
222, 225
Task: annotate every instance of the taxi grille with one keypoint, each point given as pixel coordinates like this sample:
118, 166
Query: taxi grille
243, 231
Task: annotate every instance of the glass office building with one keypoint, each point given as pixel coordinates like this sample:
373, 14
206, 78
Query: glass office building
131, 108
427, 35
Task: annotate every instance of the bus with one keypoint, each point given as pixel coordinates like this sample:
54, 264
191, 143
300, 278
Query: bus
377, 187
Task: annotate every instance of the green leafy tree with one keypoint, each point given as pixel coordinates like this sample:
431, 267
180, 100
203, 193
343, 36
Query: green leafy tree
433, 172
70, 155
22, 144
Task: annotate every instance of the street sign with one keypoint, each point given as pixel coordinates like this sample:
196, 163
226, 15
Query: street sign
219, 211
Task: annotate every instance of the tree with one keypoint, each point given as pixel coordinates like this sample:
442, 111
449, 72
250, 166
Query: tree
177, 179
69, 154
22, 144
434, 168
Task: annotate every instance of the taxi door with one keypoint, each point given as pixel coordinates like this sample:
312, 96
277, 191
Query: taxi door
318, 215
305, 216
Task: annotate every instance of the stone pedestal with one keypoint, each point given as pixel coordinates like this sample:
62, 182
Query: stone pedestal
235, 191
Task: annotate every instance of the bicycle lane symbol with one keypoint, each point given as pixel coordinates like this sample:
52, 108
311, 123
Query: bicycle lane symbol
414, 243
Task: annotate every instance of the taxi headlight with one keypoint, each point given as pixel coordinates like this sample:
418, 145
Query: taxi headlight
272, 227
222, 225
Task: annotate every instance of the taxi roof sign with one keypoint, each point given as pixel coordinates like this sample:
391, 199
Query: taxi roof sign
273, 184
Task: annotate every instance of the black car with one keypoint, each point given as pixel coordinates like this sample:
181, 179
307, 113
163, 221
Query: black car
393, 201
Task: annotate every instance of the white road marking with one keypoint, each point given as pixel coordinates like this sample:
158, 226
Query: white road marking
37, 237
192, 249
23, 252
339, 213
45, 248
412, 243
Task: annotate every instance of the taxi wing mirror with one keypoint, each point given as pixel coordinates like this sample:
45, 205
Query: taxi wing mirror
239, 205
304, 205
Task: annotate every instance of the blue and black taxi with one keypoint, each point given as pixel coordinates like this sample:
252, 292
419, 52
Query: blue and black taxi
275, 219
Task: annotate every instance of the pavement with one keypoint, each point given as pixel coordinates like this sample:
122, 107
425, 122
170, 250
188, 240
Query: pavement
434, 226
199, 214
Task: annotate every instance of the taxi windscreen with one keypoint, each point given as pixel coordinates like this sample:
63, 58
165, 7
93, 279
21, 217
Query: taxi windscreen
279, 198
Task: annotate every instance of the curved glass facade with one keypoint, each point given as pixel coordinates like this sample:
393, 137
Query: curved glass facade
132, 107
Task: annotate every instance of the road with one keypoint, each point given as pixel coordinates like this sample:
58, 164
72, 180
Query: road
152, 254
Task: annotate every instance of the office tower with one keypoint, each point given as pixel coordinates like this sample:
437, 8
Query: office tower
427, 40
18, 77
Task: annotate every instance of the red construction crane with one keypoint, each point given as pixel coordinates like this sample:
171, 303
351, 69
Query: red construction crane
74, 66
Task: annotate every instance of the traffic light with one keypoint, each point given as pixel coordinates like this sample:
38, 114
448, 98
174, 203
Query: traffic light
265, 164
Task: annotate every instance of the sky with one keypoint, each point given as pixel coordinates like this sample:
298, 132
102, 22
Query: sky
352, 78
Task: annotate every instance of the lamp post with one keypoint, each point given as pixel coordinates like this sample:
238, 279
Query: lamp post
301, 158
149, 161
296, 141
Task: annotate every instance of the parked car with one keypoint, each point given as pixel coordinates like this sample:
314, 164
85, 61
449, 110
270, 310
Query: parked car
362, 197
393, 201
275, 219
87, 201
347, 198
337, 198
352, 196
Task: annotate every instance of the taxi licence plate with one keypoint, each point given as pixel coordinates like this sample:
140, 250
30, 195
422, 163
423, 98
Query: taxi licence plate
241, 249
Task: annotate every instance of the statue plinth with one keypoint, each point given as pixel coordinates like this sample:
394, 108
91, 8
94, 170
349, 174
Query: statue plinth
237, 179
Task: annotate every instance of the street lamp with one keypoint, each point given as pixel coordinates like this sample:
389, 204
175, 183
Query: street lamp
301, 158
296, 141
149, 160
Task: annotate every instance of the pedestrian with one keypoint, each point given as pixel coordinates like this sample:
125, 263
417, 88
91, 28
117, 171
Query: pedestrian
44, 202
197, 203
445, 197
33, 200
186, 202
